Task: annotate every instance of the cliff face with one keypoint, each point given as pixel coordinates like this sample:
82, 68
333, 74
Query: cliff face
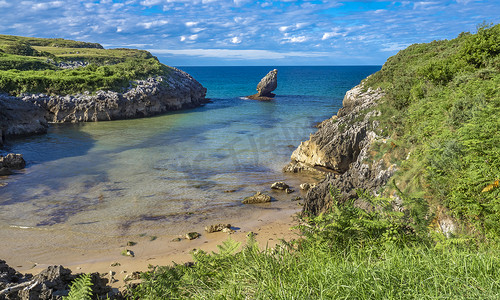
148, 97
341, 149
20, 118
29, 114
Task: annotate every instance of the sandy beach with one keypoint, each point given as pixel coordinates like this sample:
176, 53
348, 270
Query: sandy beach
270, 225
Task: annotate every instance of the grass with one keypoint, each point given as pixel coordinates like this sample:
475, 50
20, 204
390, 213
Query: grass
29, 65
339, 256
441, 108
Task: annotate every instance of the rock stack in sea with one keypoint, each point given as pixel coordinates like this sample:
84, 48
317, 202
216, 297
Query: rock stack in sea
340, 148
266, 86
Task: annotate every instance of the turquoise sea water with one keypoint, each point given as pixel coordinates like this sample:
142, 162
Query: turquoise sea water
121, 177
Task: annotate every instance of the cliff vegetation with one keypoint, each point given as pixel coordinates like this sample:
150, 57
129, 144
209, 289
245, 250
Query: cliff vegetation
59, 66
442, 114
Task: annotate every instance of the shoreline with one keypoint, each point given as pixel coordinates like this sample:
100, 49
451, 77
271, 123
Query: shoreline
270, 227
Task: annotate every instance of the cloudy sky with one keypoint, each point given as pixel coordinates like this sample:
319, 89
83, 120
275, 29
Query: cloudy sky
242, 32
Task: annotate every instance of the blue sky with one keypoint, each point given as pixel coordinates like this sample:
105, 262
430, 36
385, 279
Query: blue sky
242, 32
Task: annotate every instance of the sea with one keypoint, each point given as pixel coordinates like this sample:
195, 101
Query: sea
177, 171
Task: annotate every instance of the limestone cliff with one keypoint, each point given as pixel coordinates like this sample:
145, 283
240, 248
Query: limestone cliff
20, 118
340, 148
148, 97
30, 113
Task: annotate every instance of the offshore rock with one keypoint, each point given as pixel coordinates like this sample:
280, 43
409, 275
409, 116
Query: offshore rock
19, 117
340, 149
265, 87
145, 98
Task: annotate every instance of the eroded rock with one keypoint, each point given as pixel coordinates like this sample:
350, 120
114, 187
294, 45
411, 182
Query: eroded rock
266, 86
12, 161
257, 198
280, 186
217, 227
340, 150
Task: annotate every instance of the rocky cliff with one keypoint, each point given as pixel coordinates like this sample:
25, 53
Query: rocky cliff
148, 97
29, 114
18, 117
341, 150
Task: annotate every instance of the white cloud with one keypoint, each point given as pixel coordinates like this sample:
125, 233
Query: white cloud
238, 54
236, 40
328, 35
149, 25
294, 39
4, 4
47, 5
151, 2
191, 24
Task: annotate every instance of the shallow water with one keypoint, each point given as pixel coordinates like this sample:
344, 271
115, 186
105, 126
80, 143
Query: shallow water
166, 173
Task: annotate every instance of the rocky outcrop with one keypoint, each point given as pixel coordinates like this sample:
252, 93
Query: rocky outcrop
20, 118
266, 86
341, 150
146, 98
51, 283
257, 198
30, 113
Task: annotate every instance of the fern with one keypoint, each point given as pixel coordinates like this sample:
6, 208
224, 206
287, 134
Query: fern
81, 288
228, 247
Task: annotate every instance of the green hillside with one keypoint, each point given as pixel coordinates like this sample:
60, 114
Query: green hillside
34, 65
442, 109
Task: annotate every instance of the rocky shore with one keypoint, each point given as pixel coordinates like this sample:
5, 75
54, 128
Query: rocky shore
30, 114
52, 283
341, 150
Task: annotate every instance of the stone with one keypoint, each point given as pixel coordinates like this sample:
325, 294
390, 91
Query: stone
266, 85
305, 186
217, 227
52, 283
12, 161
257, 198
280, 186
127, 252
192, 235
289, 191
5, 172
228, 230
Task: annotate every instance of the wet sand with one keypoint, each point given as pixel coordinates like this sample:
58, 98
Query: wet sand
270, 222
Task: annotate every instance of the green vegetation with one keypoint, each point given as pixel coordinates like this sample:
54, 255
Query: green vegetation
444, 99
30, 65
81, 288
347, 253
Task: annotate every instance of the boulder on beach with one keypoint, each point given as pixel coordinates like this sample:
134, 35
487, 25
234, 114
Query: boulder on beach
257, 198
265, 87
217, 227
12, 161
280, 186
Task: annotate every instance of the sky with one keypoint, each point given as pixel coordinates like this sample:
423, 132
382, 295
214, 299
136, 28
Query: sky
243, 32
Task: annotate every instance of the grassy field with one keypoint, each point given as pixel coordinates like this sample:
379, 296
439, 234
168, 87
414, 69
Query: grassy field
31, 65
